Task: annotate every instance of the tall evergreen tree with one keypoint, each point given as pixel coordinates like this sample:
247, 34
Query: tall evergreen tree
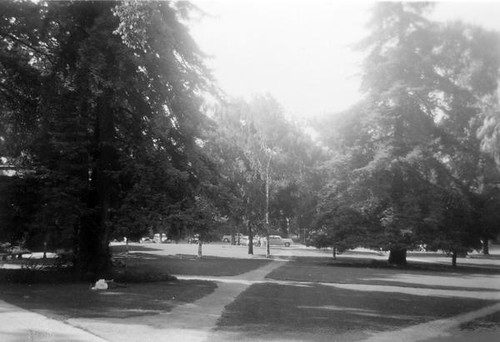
407, 157
102, 102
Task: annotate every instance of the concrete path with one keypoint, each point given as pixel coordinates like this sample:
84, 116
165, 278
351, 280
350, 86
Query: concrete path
190, 322
441, 329
434, 329
19, 325
196, 321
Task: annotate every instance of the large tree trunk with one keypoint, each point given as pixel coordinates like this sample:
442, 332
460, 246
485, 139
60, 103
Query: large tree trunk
250, 239
334, 253
454, 259
268, 248
200, 249
94, 253
397, 257
93, 257
233, 236
126, 253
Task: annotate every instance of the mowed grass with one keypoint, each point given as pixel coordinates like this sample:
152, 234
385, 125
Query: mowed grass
371, 272
187, 264
274, 309
487, 322
304, 306
307, 307
139, 294
72, 300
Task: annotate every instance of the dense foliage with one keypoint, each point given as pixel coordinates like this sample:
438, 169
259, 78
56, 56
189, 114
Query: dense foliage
101, 110
271, 163
106, 133
407, 157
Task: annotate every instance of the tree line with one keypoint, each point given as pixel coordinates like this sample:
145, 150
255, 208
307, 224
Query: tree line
106, 122
410, 164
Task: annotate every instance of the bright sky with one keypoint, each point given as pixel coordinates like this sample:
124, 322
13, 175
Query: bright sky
300, 51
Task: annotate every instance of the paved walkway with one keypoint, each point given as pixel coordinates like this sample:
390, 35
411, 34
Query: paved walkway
441, 328
19, 325
195, 321
435, 329
190, 322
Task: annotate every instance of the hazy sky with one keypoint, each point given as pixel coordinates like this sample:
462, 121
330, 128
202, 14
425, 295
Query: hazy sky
301, 51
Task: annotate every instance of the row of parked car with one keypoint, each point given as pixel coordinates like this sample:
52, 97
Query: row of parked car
274, 240
157, 238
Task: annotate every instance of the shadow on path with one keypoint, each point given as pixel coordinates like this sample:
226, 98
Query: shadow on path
19, 325
189, 322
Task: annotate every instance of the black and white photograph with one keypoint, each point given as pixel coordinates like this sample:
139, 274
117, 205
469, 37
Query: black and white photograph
249, 170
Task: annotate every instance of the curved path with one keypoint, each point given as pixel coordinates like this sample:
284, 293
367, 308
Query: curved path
196, 321
19, 325
441, 328
189, 322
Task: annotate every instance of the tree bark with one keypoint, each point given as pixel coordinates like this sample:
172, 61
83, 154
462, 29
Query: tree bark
233, 238
268, 248
397, 257
250, 239
334, 253
454, 259
126, 253
94, 256
200, 250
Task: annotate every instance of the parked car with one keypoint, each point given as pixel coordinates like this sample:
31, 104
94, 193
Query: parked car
276, 240
227, 238
146, 240
194, 239
245, 241
160, 238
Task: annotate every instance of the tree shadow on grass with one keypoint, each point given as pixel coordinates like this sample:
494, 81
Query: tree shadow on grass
76, 300
366, 271
321, 309
410, 266
133, 248
490, 322
190, 265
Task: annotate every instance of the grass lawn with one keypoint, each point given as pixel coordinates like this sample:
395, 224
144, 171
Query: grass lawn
365, 271
325, 311
70, 300
64, 298
486, 322
312, 310
189, 264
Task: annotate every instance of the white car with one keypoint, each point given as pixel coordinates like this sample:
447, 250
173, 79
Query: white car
245, 241
276, 240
